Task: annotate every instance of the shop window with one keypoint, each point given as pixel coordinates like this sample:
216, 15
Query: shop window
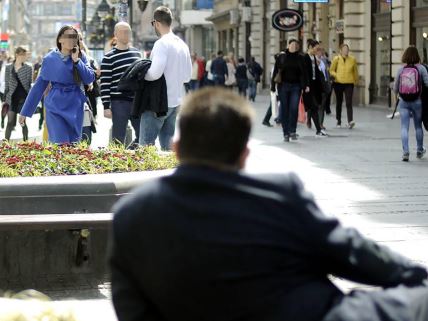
421, 3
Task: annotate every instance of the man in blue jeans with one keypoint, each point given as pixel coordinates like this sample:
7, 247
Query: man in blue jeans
292, 79
170, 57
118, 105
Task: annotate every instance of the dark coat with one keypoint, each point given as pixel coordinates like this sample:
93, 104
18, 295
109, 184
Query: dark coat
209, 245
313, 98
149, 95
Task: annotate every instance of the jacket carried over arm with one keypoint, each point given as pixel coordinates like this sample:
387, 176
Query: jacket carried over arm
149, 95
263, 252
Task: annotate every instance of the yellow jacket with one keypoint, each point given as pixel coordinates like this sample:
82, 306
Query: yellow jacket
344, 71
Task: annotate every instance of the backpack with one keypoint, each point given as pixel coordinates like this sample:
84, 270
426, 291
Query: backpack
410, 83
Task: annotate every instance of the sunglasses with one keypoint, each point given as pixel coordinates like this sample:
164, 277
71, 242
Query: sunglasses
153, 23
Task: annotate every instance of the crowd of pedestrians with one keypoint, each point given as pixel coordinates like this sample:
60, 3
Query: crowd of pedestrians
307, 79
148, 92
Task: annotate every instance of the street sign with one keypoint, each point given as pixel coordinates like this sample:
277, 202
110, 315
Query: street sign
287, 20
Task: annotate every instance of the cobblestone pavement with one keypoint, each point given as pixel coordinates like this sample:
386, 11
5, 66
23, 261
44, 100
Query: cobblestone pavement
356, 175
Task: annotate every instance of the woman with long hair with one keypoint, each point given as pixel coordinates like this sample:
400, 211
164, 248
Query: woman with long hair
408, 85
67, 70
18, 83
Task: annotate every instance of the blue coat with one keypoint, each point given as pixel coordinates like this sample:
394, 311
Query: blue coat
65, 100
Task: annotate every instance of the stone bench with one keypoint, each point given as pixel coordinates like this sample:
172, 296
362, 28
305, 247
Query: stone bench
55, 221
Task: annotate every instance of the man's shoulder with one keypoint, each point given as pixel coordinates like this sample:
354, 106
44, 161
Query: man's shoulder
130, 207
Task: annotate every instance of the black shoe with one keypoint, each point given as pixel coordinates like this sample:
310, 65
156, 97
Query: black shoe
286, 138
294, 136
266, 123
405, 157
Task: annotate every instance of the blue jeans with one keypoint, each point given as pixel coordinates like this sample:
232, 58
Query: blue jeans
252, 89
151, 126
289, 96
121, 114
413, 108
194, 84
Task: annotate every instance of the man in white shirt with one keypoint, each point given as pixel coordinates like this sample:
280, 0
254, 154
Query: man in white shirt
170, 57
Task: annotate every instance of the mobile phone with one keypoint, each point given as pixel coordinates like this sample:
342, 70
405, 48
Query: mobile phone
74, 50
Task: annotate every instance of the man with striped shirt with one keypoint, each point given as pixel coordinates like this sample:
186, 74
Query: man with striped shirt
118, 105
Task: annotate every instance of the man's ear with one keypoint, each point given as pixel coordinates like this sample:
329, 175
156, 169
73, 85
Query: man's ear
175, 148
243, 157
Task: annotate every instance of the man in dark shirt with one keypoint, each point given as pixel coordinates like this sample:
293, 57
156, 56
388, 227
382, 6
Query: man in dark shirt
209, 243
291, 81
219, 69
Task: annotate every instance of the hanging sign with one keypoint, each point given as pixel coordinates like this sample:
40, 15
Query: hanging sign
287, 20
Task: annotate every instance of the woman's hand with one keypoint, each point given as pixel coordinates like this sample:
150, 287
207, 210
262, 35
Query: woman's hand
75, 54
21, 120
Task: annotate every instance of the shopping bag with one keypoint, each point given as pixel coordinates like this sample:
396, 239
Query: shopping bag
302, 113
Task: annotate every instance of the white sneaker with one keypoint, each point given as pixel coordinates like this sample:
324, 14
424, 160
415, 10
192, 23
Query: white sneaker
321, 133
351, 125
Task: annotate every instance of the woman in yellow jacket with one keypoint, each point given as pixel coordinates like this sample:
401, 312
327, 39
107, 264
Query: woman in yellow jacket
344, 71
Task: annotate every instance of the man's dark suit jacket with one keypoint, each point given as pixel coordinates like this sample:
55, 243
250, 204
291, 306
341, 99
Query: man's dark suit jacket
209, 245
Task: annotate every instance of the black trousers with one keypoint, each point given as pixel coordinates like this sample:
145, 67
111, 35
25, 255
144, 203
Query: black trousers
268, 114
395, 304
348, 90
312, 107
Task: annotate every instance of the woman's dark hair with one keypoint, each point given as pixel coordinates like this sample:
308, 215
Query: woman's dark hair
61, 32
411, 56
20, 50
312, 43
241, 60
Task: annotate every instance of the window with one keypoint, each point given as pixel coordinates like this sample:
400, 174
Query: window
421, 3
49, 9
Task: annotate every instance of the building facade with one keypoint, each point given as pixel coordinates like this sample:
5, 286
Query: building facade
377, 31
48, 16
15, 22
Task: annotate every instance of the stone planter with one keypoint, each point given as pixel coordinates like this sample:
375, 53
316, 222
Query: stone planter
55, 258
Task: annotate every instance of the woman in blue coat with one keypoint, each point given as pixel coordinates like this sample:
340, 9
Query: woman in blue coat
66, 71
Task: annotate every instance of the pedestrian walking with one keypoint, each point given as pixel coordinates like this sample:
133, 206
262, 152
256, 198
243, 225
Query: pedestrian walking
344, 71
241, 77
219, 69
36, 70
3, 63
209, 77
201, 71
231, 78
313, 98
408, 85
256, 72
272, 106
92, 92
67, 70
326, 85
194, 80
117, 104
18, 79
170, 57
289, 78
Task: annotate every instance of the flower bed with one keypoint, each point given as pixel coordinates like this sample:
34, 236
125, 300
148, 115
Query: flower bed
34, 159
